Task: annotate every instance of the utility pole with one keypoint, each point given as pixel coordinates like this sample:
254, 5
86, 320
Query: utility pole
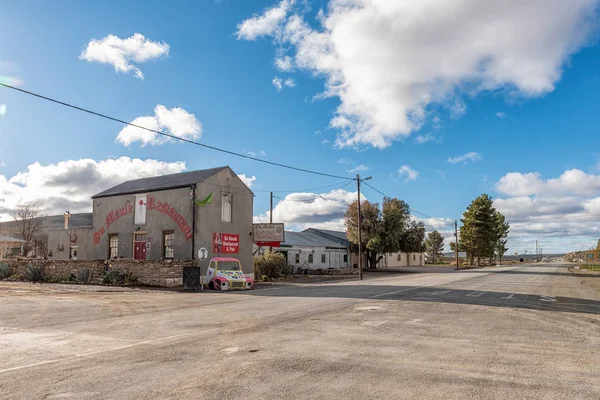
456, 242
271, 218
360, 267
537, 256
360, 261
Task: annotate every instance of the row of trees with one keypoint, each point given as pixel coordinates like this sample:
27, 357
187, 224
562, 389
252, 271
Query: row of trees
388, 229
391, 229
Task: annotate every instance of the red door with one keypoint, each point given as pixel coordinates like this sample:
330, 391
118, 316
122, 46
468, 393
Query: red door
139, 249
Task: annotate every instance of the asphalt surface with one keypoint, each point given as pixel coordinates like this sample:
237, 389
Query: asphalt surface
527, 332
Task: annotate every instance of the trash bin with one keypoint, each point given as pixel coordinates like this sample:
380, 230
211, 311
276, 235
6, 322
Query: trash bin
191, 278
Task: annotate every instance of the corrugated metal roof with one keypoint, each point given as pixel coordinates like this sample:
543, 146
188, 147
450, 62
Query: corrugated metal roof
10, 239
309, 239
341, 237
162, 182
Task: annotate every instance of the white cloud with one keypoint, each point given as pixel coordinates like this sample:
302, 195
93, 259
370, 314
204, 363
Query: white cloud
305, 210
390, 62
407, 172
68, 185
3, 164
500, 114
324, 141
344, 161
466, 158
562, 213
573, 181
248, 180
284, 63
261, 153
175, 121
278, 83
265, 24
422, 139
122, 53
358, 168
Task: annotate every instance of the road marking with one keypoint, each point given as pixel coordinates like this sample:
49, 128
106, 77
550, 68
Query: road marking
373, 324
411, 288
127, 346
547, 298
474, 294
509, 297
440, 292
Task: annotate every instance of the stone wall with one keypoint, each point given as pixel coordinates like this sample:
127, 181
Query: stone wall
167, 273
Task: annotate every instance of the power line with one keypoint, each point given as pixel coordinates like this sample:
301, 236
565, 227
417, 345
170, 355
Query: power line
411, 209
303, 190
317, 196
170, 135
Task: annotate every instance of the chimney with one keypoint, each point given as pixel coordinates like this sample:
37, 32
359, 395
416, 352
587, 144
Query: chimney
67, 214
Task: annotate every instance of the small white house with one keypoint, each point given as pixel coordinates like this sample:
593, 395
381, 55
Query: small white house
308, 250
392, 260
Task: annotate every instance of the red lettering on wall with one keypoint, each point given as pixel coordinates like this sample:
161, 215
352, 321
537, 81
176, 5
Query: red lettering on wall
151, 204
110, 219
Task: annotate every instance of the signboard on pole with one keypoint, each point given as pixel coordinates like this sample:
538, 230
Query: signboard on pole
268, 233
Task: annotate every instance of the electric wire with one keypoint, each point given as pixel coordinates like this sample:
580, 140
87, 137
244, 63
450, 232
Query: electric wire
170, 135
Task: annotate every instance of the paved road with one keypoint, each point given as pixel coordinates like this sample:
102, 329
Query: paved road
528, 332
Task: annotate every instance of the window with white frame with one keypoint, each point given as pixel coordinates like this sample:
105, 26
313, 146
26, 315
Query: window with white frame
297, 258
169, 244
113, 245
226, 200
323, 259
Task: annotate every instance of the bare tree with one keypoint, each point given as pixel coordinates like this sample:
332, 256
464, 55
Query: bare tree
29, 222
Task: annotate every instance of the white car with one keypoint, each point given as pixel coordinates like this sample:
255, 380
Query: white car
226, 273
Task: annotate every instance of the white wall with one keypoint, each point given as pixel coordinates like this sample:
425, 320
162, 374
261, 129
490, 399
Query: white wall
403, 260
334, 258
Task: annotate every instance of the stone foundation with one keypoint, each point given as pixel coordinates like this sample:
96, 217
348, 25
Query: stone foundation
165, 273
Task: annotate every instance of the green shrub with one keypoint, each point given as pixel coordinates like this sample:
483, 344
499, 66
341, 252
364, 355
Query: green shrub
269, 265
5, 270
33, 273
81, 276
117, 277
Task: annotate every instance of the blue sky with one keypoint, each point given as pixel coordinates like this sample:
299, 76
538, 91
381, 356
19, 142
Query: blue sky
523, 106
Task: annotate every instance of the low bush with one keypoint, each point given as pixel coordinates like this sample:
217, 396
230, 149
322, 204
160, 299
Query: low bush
81, 276
270, 265
5, 270
33, 273
117, 277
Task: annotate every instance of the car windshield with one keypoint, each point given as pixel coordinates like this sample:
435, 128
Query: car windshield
229, 265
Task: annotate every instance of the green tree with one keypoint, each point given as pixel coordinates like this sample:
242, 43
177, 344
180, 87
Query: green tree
413, 238
434, 245
479, 232
370, 228
385, 230
502, 229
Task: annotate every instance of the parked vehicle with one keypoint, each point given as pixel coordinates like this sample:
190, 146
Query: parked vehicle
225, 273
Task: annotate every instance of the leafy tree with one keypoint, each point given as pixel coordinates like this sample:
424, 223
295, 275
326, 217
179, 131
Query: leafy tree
388, 230
434, 245
370, 228
413, 238
479, 232
502, 229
